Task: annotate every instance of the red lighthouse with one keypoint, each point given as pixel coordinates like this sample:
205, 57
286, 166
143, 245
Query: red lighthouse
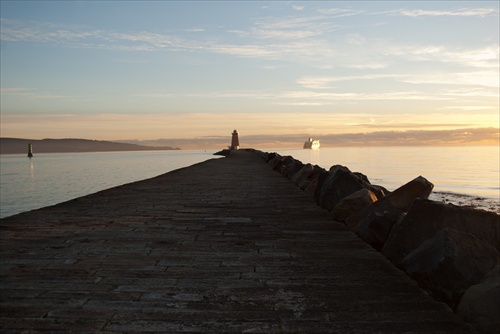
235, 142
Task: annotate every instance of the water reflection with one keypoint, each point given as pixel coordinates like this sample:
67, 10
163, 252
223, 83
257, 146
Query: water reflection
32, 169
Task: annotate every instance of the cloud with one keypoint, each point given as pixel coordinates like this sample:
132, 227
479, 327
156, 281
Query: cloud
367, 66
306, 40
389, 95
469, 108
304, 97
485, 57
322, 82
15, 30
84, 37
28, 93
476, 78
471, 92
289, 28
340, 12
355, 39
480, 12
462, 136
195, 125
213, 94
13, 91
299, 103
284, 34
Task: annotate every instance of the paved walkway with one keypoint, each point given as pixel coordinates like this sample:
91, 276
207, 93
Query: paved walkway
227, 245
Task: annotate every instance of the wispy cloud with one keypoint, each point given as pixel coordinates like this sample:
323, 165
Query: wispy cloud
487, 57
469, 108
300, 39
36, 31
28, 93
84, 37
477, 78
195, 30
302, 97
480, 12
289, 28
254, 94
340, 12
472, 92
322, 82
389, 95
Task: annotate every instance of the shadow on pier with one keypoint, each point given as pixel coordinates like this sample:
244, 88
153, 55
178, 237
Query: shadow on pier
227, 245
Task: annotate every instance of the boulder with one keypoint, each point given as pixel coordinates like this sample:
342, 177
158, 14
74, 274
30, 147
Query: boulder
353, 203
425, 218
312, 184
480, 305
340, 183
303, 174
319, 184
450, 262
375, 222
376, 225
269, 156
273, 162
379, 191
278, 162
289, 170
403, 197
286, 162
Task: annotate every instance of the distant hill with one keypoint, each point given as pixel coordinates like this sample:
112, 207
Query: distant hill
20, 146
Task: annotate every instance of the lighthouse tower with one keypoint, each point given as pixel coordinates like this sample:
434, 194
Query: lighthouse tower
235, 142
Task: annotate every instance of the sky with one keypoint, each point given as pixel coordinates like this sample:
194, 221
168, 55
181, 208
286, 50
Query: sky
116, 70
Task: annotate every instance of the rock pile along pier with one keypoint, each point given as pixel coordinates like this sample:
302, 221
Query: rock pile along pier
227, 245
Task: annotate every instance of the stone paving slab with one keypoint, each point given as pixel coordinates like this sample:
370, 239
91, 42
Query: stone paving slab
224, 246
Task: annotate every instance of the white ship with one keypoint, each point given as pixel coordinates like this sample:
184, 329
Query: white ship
312, 144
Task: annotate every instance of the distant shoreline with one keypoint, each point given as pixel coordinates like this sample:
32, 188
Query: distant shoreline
20, 146
72, 152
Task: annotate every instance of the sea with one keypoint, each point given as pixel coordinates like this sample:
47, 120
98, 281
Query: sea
51, 178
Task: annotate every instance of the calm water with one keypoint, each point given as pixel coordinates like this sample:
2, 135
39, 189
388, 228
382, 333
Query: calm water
48, 179
471, 170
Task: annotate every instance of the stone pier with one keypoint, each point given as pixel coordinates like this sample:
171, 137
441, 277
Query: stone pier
224, 246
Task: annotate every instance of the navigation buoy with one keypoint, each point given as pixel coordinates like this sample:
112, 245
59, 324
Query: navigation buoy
30, 150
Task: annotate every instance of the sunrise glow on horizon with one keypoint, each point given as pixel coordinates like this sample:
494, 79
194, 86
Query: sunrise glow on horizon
164, 69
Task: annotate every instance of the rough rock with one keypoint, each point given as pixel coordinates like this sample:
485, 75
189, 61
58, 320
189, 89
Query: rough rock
376, 226
303, 174
375, 222
269, 156
480, 304
277, 162
449, 263
425, 218
353, 203
339, 184
274, 161
290, 169
319, 184
403, 197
